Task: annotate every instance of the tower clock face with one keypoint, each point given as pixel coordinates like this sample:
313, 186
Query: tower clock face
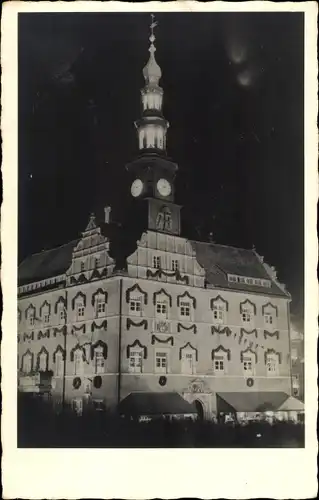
164, 188
137, 188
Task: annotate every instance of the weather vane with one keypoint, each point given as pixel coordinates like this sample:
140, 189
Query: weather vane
153, 24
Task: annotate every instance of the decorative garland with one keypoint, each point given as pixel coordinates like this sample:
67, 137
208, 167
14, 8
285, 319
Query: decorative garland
132, 289
162, 380
164, 292
243, 331
250, 382
95, 326
97, 381
78, 328
218, 299
99, 274
182, 327
43, 335
99, 291
269, 304
42, 350
248, 349
102, 344
27, 336
63, 301
186, 294
223, 349
136, 343
221, 331
130, 322
272, 351
159, 273
247, 301
45, 303
271, 334
61, 350
162, 341
30, 306
191, 347
79, 294
77, 382
62, 330
78, 347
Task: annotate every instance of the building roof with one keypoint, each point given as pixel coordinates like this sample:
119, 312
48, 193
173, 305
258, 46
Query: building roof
221, 260
46, 264
250, 401
292, 404
155, 403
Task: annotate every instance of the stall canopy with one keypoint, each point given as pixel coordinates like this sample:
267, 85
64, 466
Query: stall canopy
152, 403
250, 401
292, 404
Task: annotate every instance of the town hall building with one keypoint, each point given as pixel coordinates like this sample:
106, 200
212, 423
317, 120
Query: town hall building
144, 321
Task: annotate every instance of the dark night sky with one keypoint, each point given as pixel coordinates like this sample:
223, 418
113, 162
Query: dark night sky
233, 88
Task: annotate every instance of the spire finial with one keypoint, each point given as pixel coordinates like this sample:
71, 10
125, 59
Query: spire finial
152, 71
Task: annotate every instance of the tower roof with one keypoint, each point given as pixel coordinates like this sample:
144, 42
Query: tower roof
151, 71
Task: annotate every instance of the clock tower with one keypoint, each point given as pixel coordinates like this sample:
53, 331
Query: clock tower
153, 172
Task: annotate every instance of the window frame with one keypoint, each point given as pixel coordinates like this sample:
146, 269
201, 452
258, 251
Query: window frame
161, 354
185, 305
80, 307
218, 359
136, 300
157, 264
160, 304
135, 353
186, 354
249, 358
272, 357
98, 357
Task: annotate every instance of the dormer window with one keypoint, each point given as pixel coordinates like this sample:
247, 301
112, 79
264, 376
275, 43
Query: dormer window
156, 262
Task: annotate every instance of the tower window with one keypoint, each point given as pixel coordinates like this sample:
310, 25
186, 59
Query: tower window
175, 265
156, 262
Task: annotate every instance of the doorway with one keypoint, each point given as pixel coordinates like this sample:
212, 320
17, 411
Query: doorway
199, 409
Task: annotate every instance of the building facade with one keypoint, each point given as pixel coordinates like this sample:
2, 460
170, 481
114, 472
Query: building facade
122, 311
297, 364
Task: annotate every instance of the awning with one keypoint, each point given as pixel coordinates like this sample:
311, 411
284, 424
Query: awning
155, 403
250, 401
292, 404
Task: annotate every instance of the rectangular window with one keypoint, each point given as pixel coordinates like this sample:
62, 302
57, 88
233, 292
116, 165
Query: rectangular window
62, 314
185, 309
46, 318
156, 262
248, 366
31, 320
188, 363
80, 311
246, 316
100, 307
272, 365
96, 261
161, 362
136, 306
58, 364
219, 364
268, 318
82, 266
161, 309
78, 363
175, 265
99, 361
218, 314
135, 361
